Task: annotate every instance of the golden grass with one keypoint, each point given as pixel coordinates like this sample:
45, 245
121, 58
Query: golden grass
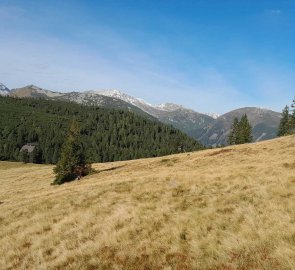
227, 209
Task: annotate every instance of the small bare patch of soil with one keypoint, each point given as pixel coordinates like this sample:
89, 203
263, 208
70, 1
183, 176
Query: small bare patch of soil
222, 151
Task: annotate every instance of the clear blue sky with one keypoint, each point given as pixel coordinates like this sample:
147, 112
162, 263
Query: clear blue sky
209, 55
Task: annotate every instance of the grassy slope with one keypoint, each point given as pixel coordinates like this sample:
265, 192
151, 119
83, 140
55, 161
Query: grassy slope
229, 208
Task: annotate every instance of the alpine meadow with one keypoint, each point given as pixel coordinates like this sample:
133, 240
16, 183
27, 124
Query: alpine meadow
230, 208
147, 135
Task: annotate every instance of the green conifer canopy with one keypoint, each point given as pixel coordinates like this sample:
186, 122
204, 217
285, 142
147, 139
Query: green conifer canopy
106, 134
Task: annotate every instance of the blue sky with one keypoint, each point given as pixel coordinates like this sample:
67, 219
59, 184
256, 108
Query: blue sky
209, 55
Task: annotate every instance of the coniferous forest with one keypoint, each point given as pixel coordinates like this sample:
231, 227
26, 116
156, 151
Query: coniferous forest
106, 134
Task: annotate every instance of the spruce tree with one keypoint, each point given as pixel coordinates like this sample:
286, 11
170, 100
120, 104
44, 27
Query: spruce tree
232, 138
284, 127
71, 164
245, 130
241, 131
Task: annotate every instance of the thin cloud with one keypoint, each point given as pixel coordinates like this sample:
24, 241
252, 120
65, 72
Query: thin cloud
275, 11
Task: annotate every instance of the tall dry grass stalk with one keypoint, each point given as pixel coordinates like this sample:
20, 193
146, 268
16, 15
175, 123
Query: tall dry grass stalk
230, 208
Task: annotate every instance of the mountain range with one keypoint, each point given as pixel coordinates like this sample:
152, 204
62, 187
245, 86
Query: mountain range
209, 129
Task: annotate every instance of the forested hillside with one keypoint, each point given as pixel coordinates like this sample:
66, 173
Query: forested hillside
107, 134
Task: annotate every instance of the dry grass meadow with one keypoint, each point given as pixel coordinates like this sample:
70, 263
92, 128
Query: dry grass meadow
229, 209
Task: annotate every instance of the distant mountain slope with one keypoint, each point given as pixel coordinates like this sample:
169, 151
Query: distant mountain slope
192, 123
4, 90
84, 98
91, 99
209, 129
34, 92
264, 122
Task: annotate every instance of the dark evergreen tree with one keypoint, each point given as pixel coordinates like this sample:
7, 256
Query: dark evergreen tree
233, 136
71, 164
285, 123
245, 130
241, 131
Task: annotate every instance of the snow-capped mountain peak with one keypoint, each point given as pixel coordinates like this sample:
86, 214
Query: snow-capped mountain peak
141, 103
213, 115
168, 107
120, 95
4, 90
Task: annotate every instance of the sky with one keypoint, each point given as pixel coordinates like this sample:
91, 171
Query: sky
208, 55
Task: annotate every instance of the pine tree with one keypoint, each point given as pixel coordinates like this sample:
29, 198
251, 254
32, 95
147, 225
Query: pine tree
232, 138
245, 130
71, 164
241, 131
284, 127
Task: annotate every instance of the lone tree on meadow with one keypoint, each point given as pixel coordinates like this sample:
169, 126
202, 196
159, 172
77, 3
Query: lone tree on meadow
241, 131
72, 163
